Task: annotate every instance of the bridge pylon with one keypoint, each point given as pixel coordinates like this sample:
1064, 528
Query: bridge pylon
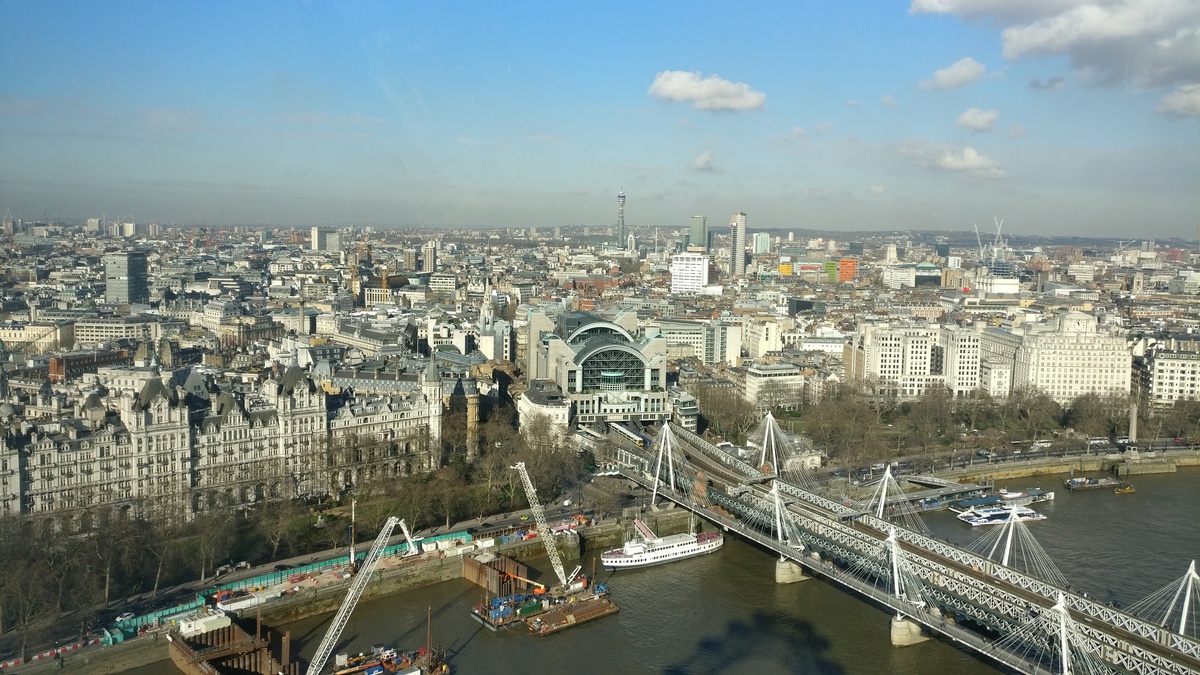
786, 571
904, 631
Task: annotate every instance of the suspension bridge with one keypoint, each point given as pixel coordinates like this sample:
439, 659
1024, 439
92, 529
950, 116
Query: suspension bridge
1001, 597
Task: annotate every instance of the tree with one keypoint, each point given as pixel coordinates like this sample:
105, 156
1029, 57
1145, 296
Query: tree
605, 499
276, 520
211, 536
929, 417
445, 492
160, 539
109, 543
1096, 416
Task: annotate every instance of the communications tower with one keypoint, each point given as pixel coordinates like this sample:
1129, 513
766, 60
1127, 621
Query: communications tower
621, 218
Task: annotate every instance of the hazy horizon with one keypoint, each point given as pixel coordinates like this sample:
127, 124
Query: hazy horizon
1065, 118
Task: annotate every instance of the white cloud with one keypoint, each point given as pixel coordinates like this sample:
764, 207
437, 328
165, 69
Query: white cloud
706, 93
978, 119
1018, 132
1183, 102
345, 119
962, 72
947, 158
852, 103
877, 190
822, 128
704, 162
545, 139
1133, 43
164, 119
887, 100
793, 137
1048, 84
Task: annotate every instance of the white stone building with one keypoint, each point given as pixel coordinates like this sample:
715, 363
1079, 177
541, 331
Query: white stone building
689, 272
1069, 358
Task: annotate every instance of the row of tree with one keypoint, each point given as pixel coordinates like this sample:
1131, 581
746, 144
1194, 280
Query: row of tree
857, 422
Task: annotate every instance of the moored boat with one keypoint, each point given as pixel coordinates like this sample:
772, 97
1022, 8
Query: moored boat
1028, 496
645, 548
388, 660
571, 614
998, 515
1124, 490
1093, 483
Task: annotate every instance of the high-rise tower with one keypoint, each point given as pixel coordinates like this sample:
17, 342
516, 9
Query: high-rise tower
698, 232
621, 218
737, 244
429, 256
126, 278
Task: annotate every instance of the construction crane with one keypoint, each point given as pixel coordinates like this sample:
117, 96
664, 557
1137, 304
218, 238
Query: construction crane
412, 545
541, 588
356, 588
546, 535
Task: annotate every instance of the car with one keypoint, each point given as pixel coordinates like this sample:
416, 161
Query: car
243, 565
525, 517
1178, 441
126, 616
281, 567
566, 502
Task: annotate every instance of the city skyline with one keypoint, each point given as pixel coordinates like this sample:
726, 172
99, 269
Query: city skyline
1063, 118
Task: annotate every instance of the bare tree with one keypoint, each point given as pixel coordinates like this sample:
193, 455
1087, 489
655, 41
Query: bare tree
211, 537
276, 521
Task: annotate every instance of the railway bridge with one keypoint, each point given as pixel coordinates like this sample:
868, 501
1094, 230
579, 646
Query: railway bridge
1027, 621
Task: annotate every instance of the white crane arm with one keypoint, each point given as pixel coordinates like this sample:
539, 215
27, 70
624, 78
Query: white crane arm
543, 527
412, 545
356, 588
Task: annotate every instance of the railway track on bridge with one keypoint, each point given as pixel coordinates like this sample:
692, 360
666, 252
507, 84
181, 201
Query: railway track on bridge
962, 582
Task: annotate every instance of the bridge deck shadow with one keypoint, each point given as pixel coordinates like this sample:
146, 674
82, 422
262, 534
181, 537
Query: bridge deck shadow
788, 644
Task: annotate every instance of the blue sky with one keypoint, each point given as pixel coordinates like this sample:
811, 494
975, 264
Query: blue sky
1060, 116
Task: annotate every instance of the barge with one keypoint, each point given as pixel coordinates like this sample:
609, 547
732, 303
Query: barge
571, 614
1076, 484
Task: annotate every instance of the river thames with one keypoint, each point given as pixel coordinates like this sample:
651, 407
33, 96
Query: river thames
723, 613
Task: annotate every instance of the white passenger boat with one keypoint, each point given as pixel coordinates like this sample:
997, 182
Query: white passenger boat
998, 515
646, 548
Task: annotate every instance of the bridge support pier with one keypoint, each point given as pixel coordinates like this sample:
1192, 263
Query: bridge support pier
788, 572
906, 633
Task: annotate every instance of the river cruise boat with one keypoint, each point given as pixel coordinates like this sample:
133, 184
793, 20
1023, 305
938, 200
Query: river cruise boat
1093, 483
1027, 496
998, 515
646, 548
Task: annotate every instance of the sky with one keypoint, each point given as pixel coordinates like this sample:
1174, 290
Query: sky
1060, 116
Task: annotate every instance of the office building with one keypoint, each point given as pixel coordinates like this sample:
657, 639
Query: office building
737, 244
698, 232
126, 278
689, 272
1070, 357
762, 243
429, 256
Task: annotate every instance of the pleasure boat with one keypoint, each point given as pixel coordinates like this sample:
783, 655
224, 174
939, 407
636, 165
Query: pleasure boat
646, 548
998, 515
